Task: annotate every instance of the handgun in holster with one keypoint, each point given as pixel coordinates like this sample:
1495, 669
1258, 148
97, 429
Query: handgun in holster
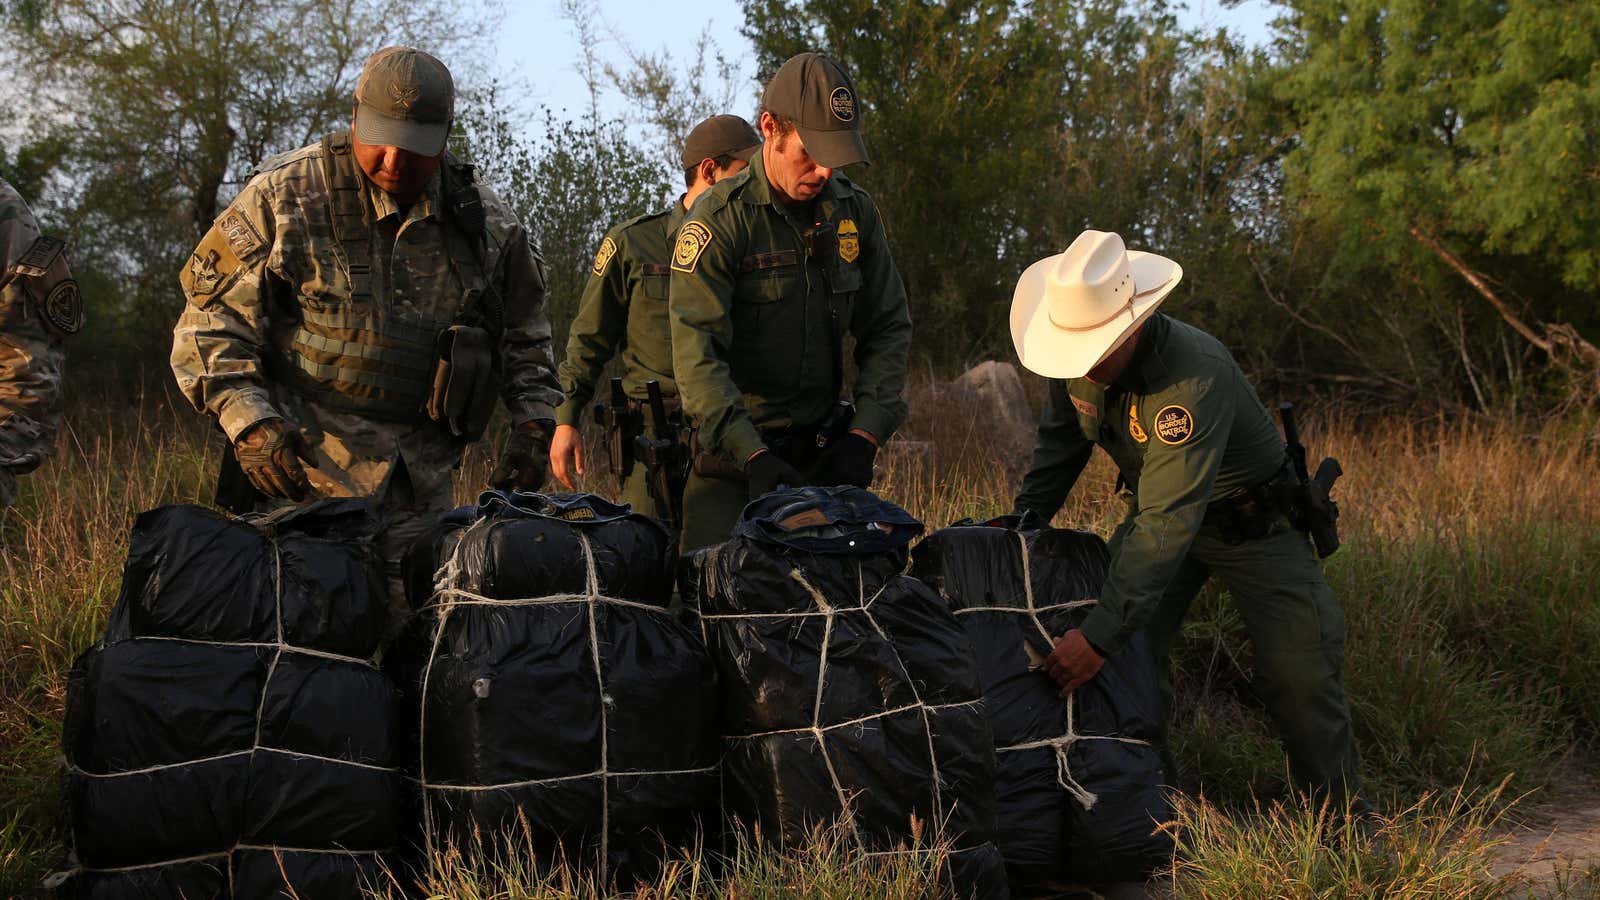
1311, 508
623, 422
665, 457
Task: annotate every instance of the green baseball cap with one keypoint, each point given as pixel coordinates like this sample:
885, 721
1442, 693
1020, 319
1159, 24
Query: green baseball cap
405, 98
719, 136
819, 96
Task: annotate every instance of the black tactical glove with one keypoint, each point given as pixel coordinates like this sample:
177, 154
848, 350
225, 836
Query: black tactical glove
847, 460
525, 458
269, 453
768, 471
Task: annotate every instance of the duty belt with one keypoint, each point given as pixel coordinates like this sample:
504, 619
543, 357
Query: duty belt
1249, 515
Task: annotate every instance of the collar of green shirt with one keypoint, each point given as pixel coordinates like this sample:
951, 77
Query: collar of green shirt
1148, 366
760, 191
675, 216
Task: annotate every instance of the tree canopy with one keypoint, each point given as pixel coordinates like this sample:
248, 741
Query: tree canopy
1395, 199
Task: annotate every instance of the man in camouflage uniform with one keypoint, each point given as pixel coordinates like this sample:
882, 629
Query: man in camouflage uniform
623, 312
39, 306
771, 269
353, 312
1208, 487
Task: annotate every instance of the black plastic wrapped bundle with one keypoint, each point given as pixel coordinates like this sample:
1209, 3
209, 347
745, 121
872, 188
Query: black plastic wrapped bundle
1079, 783
553, 686
231, 735
845, 684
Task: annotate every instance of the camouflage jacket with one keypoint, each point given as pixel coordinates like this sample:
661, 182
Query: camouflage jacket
623, 312
271, 267
37, 309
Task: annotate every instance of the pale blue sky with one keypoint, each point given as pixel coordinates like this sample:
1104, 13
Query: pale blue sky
539, 48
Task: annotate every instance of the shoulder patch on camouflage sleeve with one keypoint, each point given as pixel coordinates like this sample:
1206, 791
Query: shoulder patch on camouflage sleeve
39, 257
49, 285
211, 267
62, 309
608, 249
693, 239
242, 237
1174, 424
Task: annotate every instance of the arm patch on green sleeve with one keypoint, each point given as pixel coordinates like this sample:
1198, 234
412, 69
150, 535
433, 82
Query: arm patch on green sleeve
1174, 424
608, 249
693, 239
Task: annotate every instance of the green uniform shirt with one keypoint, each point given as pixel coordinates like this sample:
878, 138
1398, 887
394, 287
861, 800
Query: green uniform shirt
752, 306
1185, 428
625, 302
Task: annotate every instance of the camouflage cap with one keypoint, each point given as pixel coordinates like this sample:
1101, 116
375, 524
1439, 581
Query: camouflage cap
405, 98
720, 136
819, 96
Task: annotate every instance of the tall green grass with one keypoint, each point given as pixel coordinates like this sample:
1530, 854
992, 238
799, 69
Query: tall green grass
1472, 552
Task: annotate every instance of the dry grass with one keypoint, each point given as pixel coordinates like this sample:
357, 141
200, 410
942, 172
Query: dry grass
1468, 576
827, 867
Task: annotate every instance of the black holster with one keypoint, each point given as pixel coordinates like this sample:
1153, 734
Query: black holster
623, 423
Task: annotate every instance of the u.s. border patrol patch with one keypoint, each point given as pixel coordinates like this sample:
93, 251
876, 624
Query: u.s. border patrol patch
843, 104
608, 249
1174, 424
1085, 407
693, 239
1135, 430
849, 240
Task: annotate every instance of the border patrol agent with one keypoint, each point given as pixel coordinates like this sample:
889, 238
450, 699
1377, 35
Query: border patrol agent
1204, 466
623, 312
354, 312
39, 307
771, 269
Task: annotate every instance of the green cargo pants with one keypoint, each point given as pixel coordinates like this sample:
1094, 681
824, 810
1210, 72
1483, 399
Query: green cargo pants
1296, 629
636, 491
711, 506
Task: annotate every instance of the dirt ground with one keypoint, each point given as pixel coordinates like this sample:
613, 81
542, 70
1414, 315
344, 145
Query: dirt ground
1557, 835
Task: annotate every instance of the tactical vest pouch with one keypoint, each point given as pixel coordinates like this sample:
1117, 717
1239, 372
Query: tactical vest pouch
461, 396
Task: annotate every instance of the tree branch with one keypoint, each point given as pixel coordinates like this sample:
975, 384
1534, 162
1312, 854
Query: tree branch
1482, 287
1327, 332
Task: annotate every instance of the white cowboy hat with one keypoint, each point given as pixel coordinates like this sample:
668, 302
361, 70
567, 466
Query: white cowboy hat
1071, 310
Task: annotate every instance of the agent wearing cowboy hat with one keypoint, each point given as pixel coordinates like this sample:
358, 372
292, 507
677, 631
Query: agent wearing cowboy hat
1197, 451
